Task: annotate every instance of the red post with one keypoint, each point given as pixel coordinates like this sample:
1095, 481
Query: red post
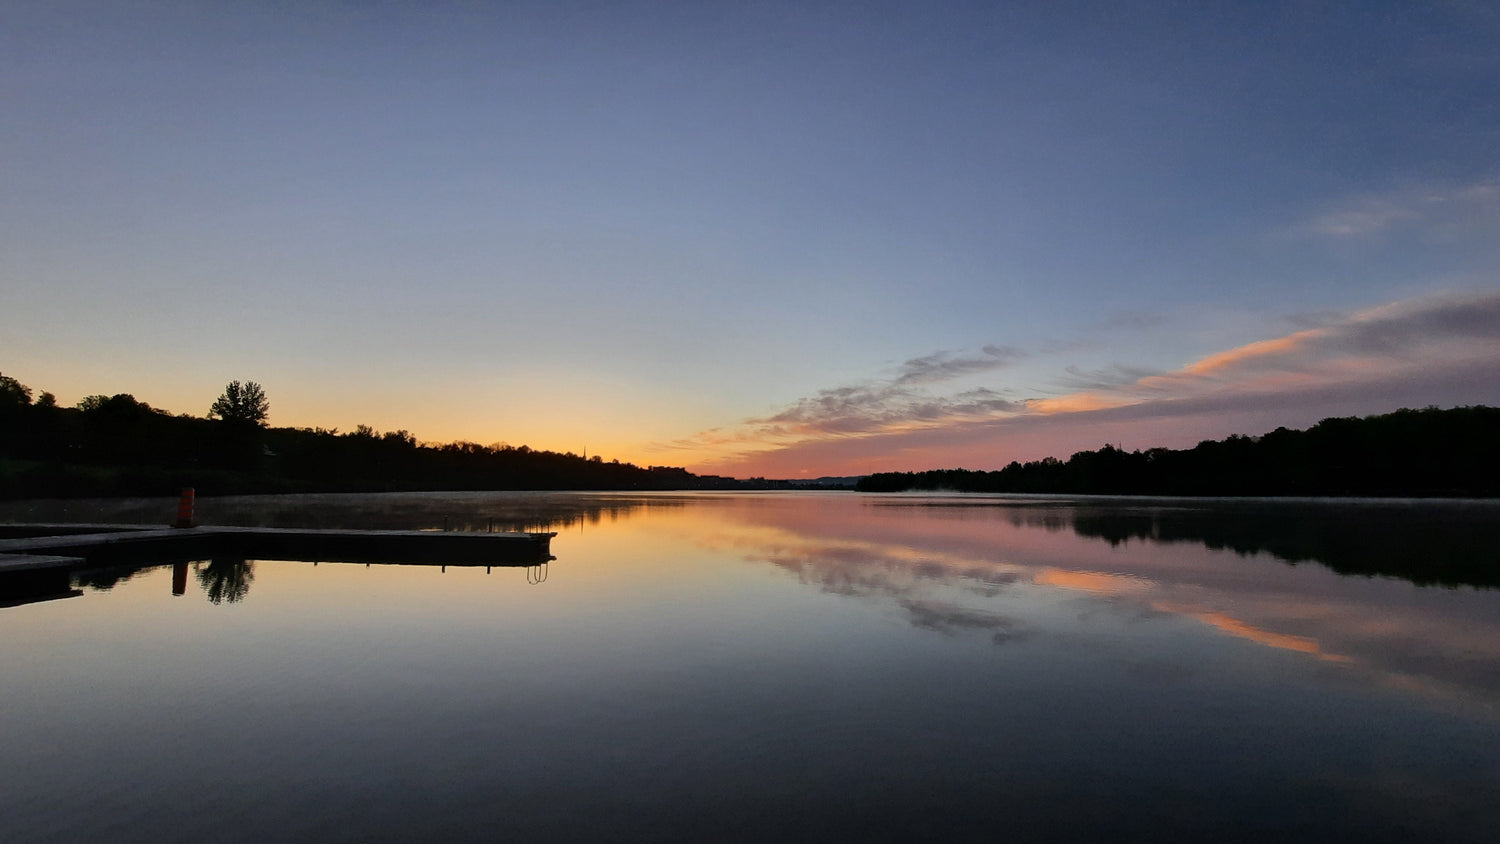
185, 509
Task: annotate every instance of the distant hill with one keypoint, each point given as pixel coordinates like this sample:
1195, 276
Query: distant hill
1415, 453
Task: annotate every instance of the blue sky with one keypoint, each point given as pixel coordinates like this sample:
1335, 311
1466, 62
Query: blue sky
757, 238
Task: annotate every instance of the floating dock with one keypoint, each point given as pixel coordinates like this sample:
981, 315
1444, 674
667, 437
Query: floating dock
38, 561
32, 547
28, 578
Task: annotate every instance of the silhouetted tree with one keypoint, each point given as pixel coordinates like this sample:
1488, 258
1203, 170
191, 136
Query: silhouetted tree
116, 445
13, 393
1427, 452
244, 404
15, 407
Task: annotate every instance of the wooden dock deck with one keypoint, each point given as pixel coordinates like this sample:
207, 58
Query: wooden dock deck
29, 578
38, 562
35, 547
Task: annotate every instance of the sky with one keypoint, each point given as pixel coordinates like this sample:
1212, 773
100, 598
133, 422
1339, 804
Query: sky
757, 238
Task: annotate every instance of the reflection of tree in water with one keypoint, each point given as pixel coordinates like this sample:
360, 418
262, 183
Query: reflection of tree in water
478, 512
1428, 542
105, 579
226, 579
1453, 545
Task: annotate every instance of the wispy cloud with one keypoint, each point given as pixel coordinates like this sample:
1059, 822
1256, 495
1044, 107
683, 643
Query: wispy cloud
864, 409
1444, 209
907, 397
1133, 321
1435, 350
945, 366
1377, 343
1115, 375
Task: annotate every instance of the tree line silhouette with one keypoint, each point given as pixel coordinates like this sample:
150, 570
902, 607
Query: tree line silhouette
1416, 453
117, 445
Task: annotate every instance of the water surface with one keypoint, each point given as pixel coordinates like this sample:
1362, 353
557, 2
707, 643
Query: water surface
803, 666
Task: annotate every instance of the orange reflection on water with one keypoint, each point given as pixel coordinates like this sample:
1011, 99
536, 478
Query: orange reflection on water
1092, 582
1114, 585
1235, 627
952, 563
966, 552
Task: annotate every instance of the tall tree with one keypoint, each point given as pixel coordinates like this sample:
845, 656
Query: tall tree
245, 404
13, 393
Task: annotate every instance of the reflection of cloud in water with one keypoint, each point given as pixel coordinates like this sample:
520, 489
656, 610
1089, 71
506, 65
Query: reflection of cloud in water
1236, 627
842, 571
1093, 582
948, 619
1113, 585
866, 572
1206, 564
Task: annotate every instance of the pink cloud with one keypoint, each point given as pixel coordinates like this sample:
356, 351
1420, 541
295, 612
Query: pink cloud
1442, 350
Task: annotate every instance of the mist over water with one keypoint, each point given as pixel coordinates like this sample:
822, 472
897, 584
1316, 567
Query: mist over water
748, 666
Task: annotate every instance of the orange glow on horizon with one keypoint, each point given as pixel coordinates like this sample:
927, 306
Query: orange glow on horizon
887, 425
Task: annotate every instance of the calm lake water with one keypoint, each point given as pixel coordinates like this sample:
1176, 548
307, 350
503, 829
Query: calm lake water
775, 666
